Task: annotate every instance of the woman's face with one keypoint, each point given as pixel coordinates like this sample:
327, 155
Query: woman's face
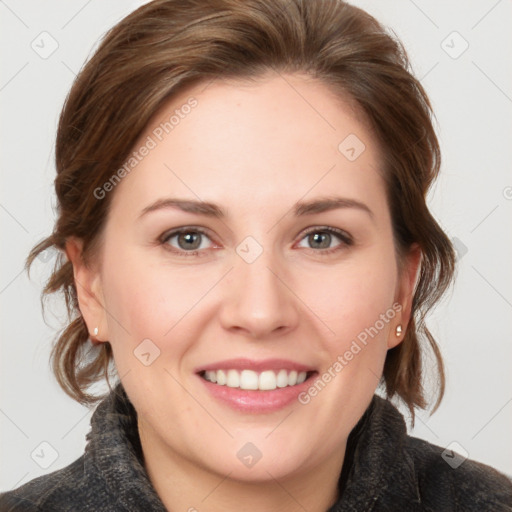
285, 269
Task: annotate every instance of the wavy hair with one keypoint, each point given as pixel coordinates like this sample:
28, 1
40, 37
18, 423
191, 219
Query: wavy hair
167, 45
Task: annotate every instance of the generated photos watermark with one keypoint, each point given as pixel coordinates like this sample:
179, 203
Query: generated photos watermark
344, 359
151, 142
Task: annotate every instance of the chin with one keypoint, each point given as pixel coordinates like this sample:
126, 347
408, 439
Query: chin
259, 459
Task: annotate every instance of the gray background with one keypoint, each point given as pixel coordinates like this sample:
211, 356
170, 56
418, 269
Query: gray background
472, 97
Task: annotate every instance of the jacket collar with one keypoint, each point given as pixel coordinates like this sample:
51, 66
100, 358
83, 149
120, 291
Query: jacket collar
115, 451
377, 466
376, 462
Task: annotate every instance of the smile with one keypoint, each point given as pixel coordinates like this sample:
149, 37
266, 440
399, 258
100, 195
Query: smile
256, 386
267, 380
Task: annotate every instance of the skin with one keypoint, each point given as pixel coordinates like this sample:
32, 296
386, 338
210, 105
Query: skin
255, 150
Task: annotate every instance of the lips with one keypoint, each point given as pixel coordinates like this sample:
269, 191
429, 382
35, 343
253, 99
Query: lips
256, 366
256, 386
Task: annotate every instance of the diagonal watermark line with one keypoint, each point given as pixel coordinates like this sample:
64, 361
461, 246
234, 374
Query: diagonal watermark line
68, 67
424, 13
425, 425
7, 416
193, 192
16, 485
104, 308
89, 411
428, 72
374, 374
198, 301
209, 83
486, 14
286, 491
492, 211
301, 300
494, 288
295, 89
280, 423
14, 218
216, 487
73, 427
14, 76
165, 165
491, 80
76, 14
508, 401
302, 197
13, 13
12, 281
200, 404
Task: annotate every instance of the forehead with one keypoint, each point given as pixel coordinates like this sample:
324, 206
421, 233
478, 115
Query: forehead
244, 143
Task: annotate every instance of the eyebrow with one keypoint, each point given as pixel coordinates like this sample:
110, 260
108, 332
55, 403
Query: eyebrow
325, 204
301, 208
186, 205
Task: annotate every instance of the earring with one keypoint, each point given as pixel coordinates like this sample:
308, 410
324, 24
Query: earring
398, 330
95, 332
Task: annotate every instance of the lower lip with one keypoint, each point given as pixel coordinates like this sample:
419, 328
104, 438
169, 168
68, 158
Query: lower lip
256, 401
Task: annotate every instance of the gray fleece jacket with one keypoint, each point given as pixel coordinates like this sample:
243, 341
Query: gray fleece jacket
384, 470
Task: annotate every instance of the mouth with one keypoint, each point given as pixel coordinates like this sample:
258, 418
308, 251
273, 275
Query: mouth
256, 386
251, 380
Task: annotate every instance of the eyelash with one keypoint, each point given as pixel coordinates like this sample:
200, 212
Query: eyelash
344, 237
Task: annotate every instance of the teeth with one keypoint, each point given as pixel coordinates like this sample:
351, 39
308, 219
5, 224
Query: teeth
267, 381
211, 376
248, 379
221, 378
282, 379
233, 380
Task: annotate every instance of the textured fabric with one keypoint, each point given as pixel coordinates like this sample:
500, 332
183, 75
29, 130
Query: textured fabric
384, 470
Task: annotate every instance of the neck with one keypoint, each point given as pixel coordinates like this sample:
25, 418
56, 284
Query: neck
184, 485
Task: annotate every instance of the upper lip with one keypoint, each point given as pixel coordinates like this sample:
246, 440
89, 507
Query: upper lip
257, 366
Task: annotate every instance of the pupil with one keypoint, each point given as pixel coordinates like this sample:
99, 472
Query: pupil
190, 240
317, 237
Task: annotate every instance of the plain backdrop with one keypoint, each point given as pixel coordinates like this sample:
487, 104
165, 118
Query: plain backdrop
461, 51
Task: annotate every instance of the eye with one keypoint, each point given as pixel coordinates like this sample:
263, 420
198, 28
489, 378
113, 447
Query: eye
185, 241
191, 241
322, 238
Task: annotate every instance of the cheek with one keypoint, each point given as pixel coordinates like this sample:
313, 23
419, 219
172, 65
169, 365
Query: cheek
358, 307
354, 296
156, 302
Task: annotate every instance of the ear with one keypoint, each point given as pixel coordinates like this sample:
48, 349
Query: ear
408, 276
89, 291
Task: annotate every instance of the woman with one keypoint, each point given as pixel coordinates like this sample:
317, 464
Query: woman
244, 234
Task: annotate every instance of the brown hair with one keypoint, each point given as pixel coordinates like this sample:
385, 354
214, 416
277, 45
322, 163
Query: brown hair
167, 45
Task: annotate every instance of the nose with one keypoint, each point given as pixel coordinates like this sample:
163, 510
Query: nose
258, 300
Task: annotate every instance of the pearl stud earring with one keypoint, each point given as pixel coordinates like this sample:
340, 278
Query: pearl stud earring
398, 330
95, 332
